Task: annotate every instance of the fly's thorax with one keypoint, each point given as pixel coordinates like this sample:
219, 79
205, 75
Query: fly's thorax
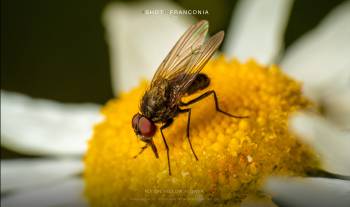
155, 100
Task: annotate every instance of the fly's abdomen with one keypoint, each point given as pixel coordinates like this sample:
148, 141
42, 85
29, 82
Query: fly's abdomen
201, 82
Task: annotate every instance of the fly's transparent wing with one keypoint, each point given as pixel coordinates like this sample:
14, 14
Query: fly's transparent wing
196, 63
180, 55
186, 59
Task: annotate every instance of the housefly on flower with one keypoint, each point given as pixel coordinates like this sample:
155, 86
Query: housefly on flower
176, 77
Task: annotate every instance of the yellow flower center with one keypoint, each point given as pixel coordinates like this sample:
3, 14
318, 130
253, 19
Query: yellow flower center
235, 155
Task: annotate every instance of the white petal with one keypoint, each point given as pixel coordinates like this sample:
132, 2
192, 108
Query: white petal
309, 192
335, 100
29, 173
43, 127
323, 53
67, 193
257, 29
139, 41
331, 143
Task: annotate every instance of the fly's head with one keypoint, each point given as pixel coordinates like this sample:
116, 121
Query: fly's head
143, 127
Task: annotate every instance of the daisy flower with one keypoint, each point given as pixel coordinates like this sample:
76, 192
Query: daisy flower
229, 149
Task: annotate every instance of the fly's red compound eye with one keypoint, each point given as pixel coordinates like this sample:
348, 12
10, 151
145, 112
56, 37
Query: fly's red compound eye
135, 121
146, 127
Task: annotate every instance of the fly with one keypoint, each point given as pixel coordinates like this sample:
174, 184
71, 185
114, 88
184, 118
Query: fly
176, 77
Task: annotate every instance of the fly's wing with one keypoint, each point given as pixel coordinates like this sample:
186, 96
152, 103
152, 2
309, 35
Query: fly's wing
180, 55
196, 63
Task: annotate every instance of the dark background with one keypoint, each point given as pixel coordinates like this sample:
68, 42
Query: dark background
56, 49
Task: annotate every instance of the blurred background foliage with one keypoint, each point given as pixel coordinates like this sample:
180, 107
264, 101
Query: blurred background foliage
56, 49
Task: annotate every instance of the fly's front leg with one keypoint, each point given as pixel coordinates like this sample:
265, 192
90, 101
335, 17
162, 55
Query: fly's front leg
167, 124
148, 143
188, 111
208, 93
142, 149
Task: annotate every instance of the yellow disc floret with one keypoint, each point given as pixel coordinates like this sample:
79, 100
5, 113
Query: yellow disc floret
235, 155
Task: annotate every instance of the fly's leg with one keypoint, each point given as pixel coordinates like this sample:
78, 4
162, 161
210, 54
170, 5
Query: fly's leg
188, 111
142, 149
155, 151
167, 124
208, 93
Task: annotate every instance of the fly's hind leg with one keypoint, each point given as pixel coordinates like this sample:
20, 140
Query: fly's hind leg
206, 94
188, 128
